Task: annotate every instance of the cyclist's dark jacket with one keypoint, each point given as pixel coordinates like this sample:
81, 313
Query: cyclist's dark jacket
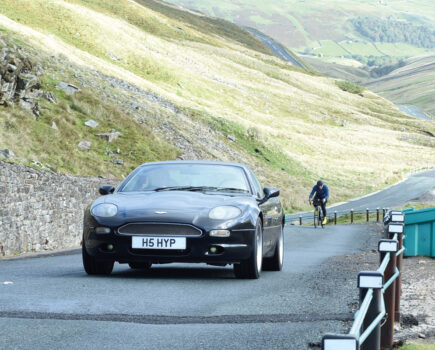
320, 193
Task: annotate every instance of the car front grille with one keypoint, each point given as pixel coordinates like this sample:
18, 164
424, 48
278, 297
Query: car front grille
159, 229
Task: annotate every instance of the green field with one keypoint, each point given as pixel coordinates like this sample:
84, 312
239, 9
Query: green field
361, 48
402, 50
210, 90
329, 48
350, 48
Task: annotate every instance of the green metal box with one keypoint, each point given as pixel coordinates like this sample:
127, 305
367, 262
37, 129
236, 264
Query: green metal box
419, 232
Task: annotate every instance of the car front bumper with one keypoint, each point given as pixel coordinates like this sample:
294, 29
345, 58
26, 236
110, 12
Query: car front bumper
232, 249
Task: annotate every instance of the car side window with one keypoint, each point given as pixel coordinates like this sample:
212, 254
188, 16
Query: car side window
257, 187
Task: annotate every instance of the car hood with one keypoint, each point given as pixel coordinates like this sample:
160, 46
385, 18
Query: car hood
169, 206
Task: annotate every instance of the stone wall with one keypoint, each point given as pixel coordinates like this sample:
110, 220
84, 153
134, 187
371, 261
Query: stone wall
42, 211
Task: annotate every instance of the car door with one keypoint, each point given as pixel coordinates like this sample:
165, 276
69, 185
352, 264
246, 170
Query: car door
267, 210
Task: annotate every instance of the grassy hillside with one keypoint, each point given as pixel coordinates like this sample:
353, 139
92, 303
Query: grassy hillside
412, 84
181, 86
331, 28
405, 82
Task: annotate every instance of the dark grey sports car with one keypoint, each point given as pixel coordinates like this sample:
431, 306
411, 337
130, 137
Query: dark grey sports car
186, 211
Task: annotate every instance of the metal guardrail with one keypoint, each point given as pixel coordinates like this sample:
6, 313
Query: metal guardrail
367, 214
419, 169
380, 292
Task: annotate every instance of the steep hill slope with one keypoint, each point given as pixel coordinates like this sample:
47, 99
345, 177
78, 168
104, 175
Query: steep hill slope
177, 86
412, 84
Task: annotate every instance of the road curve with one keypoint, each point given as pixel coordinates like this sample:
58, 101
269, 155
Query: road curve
52, 304
414, 112
413, 187
278, 49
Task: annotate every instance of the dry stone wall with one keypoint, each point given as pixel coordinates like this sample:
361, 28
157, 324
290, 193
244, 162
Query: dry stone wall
40, 210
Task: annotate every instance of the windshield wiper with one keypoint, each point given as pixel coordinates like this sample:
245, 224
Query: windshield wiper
186, 188
200, 188
231, 189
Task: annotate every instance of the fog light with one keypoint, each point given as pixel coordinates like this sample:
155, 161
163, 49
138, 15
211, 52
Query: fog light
215, 249
102, 230
110, 247
220, 233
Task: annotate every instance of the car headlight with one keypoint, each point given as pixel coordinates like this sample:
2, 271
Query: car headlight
224, 212
105, 210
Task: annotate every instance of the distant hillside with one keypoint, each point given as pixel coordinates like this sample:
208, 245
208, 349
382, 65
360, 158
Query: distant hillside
339, 71
391, 30
412, 84
103, 86
332, 28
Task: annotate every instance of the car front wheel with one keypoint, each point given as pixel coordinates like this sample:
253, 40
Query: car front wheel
94, 266
251, 268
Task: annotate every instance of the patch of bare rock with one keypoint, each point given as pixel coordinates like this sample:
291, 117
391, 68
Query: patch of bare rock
19, 80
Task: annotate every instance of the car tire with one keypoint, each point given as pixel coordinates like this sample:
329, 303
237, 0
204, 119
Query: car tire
140, 266
251, 267
275, 262
94, 266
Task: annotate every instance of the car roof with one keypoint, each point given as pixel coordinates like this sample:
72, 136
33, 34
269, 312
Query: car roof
205, 162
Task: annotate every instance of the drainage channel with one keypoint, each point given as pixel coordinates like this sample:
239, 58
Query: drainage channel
167, 320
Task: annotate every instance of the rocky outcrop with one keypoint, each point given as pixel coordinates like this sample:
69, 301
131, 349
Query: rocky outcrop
110, 136
19, 82
69, 89
6, 154
84, 146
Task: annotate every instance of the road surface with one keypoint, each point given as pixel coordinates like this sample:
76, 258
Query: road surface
50, 303
275, 47
414, 112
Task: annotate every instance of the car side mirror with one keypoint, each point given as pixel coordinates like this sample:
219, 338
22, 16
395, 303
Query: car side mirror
106, 189
269, 192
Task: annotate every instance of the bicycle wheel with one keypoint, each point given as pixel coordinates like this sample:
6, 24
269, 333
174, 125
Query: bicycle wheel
321, 218
316, 223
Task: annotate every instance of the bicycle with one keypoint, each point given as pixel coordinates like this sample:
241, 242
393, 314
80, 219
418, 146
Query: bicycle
318, 214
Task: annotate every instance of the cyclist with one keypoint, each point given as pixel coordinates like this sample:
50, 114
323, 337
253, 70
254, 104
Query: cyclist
321, 193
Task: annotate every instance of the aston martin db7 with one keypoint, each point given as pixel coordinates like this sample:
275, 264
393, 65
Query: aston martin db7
186, 211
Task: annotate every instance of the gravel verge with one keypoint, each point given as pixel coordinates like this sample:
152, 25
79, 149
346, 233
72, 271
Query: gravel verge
418, 296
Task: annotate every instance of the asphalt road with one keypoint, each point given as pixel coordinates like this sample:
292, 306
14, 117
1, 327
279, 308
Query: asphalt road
414, 111
275, 47
407, 190
52, 304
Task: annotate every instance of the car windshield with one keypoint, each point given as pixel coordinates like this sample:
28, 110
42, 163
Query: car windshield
188, 177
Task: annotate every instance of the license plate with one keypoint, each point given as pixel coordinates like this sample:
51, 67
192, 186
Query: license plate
158, 242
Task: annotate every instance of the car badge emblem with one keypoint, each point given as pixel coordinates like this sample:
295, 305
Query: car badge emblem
160, 212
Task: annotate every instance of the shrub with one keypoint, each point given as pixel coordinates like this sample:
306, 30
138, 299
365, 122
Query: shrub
349, 87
